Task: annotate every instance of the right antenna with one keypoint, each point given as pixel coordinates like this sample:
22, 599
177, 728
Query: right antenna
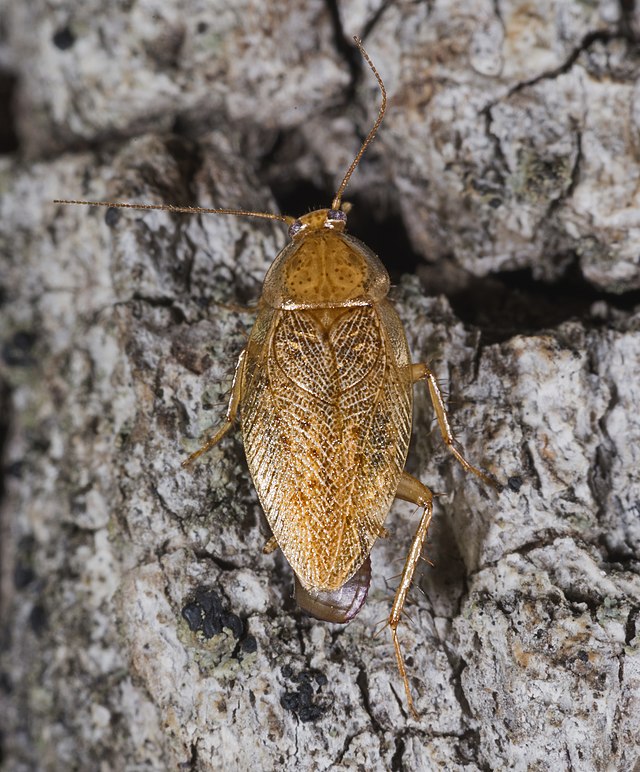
383, 106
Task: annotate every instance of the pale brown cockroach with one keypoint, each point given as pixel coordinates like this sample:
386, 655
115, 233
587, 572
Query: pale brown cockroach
325, 393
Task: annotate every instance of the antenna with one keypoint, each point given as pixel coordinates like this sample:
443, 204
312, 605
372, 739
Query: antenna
383, 106
173, 208
264, 215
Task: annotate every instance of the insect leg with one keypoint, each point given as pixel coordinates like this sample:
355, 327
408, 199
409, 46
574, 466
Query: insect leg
410, 489
238, 308
232, 411
270, 546
423, 372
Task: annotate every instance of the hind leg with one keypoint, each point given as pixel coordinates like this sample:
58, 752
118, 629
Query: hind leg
410, 489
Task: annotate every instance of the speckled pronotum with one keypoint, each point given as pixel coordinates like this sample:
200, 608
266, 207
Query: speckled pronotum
324, 389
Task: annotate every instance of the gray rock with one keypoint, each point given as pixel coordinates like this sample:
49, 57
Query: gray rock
143, 628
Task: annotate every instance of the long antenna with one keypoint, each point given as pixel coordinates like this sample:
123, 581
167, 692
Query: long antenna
383, 106
173, 208
263, 215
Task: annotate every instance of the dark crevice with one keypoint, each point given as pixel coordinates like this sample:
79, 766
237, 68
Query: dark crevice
514, 302
617, 556
8, 137
296, 197
397, 764
5, 401
628, 23
597, 36
500, 305
343, 751
346, 48
575, 171
458, 689
221, 563
468, 750
5, 413
363, 684
154, 302
193, 759
373, 20
630, 630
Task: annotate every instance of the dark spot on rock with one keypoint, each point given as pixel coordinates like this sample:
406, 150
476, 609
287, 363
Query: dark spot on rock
515, 483
583, 656
305, 691
16, 352
6, 685
211, 626
290, 701
202, 27
112, 216
301, 701
249, 644
310, 713
321, 678
234, 623
38, 619
23, 575
64, 39
192, 613
205, 614
15, 469
208, 600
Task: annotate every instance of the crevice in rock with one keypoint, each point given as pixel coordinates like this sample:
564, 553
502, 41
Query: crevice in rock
468, 750
596, 36
500, 305
512, 303
375, 17
618, 555
630, 630
345, 747
5, 418
346, 48
9, 141
362, 682
628, 23
397, 763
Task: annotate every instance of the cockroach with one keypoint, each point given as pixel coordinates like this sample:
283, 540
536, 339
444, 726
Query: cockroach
324, 389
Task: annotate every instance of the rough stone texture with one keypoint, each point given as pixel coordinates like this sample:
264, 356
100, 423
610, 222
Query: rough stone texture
511, 141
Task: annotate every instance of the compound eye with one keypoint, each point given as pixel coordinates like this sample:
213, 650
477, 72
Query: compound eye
295, 228
335, 216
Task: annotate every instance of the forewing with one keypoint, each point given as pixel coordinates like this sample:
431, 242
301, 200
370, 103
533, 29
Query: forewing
326, 416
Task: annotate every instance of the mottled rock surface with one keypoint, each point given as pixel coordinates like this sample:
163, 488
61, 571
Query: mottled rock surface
142, 627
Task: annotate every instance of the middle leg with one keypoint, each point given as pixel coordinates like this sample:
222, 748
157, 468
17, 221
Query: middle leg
232, 411
423, 372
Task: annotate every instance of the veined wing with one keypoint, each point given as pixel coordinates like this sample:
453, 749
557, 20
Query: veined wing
326, 417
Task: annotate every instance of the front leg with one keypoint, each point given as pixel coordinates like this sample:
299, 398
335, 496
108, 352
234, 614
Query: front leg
424, 372
232, 411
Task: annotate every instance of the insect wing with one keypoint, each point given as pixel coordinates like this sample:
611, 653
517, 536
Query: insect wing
326, 419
